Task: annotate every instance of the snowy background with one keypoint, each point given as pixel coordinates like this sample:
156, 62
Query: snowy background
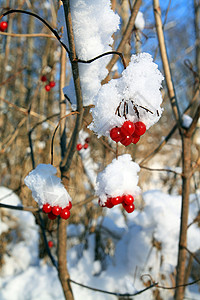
145, 242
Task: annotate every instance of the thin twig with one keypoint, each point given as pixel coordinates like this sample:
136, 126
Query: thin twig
177, 286
11, 11
13, 135
25, 111
165, 62
28, 35
112, 293
54, 132
104, 54
193, 125
192, 254
195, 167
32, 209
160, 146
126, 36
161, 170
12, 76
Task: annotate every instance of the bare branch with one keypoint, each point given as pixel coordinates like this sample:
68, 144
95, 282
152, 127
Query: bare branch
125, 37
11, 11
166, 67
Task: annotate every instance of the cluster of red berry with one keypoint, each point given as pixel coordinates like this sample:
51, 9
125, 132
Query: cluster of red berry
48, 86
3, 26
125, 200
55, 211
128, 133
79, 146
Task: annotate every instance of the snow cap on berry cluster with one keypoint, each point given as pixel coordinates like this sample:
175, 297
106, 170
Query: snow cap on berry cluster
138, 88
118, 178
94, 23
46, 187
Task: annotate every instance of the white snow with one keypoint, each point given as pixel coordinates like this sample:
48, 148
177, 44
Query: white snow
118, 178
132, 254
46, 187
89, 165
94, 23
140, 83
139, 21
186, 121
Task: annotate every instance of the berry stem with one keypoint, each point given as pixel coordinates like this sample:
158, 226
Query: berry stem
117, 150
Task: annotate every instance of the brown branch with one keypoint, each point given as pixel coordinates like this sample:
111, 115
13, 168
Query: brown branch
186, 157
67, 159
68, 156
27, 34
126, 36
165, 62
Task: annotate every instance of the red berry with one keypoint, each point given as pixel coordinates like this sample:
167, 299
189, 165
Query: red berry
79, 147
135, 138
140, 128
56, 210
46, 208
65, 214
50, 244
69, 206
100, 204
47, 88
126, 140
3, 26
116, 200
51, 216
115, 134
128, 199
85, 146
127, 128
109, 203
52, 84
87, 140
43, 78
129, 208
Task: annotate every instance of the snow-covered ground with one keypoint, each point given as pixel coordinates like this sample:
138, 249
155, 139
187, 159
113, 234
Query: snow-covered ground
146, 243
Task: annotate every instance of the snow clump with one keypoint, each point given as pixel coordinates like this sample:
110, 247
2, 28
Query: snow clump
94, 23
118, 178
139, 21
46, 187
135, 96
